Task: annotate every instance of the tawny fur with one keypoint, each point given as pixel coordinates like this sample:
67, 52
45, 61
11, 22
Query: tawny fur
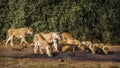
69, 40
42, 44
101, 47
89, 46
19, 33
52, 37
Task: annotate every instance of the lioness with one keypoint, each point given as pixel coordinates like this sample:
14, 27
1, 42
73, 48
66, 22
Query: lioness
68, 39
52, 37
19, 33
89, 46
101, 48
42, 44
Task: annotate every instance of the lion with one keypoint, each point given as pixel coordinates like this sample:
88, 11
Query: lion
52, 37
42, 44
19, 33
69, 40
87, 43
89, 46
95, 48
78, 43
101, 48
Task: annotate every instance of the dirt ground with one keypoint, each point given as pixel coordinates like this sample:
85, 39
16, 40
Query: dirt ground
25, 58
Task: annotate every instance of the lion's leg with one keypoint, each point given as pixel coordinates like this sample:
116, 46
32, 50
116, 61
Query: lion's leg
73, 48
56, 47
105, 50
35, 48
47, 48
11, 37
7, 40
23, 40
55, 44
92, 49
41, 51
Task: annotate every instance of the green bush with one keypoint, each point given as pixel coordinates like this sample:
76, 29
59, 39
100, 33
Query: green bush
95, 20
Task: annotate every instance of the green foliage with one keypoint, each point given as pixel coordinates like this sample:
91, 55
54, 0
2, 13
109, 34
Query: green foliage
95, 20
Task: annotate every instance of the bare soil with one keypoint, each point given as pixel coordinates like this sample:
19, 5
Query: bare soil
15, 57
